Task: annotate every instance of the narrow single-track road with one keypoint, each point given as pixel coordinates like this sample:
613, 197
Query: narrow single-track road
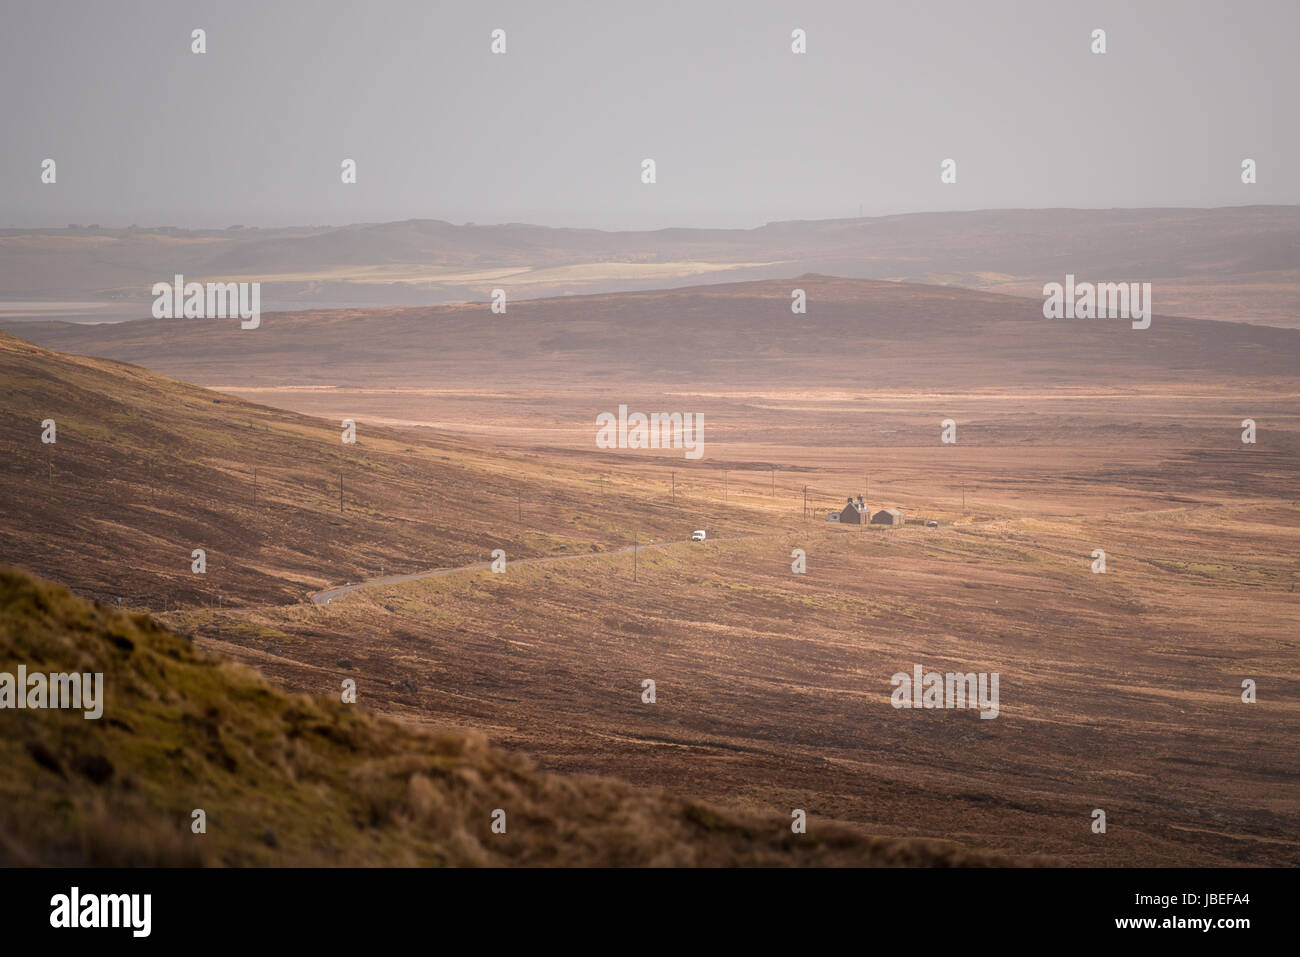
325, 597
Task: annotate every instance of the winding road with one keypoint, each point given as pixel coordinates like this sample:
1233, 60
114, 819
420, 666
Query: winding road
325, 597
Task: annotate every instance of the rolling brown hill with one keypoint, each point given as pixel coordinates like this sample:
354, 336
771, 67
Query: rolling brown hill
856, 333
1233, 263
146, 469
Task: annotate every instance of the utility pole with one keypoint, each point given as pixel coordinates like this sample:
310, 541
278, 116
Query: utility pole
519, 506
602, 485
254, 481
634, 556
963, 500
805, 502
674, 488
340, 491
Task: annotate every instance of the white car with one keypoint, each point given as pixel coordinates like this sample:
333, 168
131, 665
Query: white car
698, 535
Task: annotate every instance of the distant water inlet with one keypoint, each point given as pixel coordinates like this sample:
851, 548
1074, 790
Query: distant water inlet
88, 313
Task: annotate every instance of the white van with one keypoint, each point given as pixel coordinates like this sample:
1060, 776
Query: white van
698, 535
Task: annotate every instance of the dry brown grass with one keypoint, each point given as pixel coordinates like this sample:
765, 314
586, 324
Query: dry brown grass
293, 780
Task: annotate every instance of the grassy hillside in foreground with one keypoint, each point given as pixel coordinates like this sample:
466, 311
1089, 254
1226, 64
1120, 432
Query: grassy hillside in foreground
291, 780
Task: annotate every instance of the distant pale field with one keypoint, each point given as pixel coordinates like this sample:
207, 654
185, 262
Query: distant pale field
422, 275
1012, 447
525, 413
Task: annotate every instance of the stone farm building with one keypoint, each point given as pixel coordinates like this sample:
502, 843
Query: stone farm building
853, 512
887, 516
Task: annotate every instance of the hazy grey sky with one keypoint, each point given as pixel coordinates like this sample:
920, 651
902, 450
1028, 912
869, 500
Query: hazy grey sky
743, 131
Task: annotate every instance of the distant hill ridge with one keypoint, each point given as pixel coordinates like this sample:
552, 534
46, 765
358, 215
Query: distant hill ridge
855, 331
1232, 263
